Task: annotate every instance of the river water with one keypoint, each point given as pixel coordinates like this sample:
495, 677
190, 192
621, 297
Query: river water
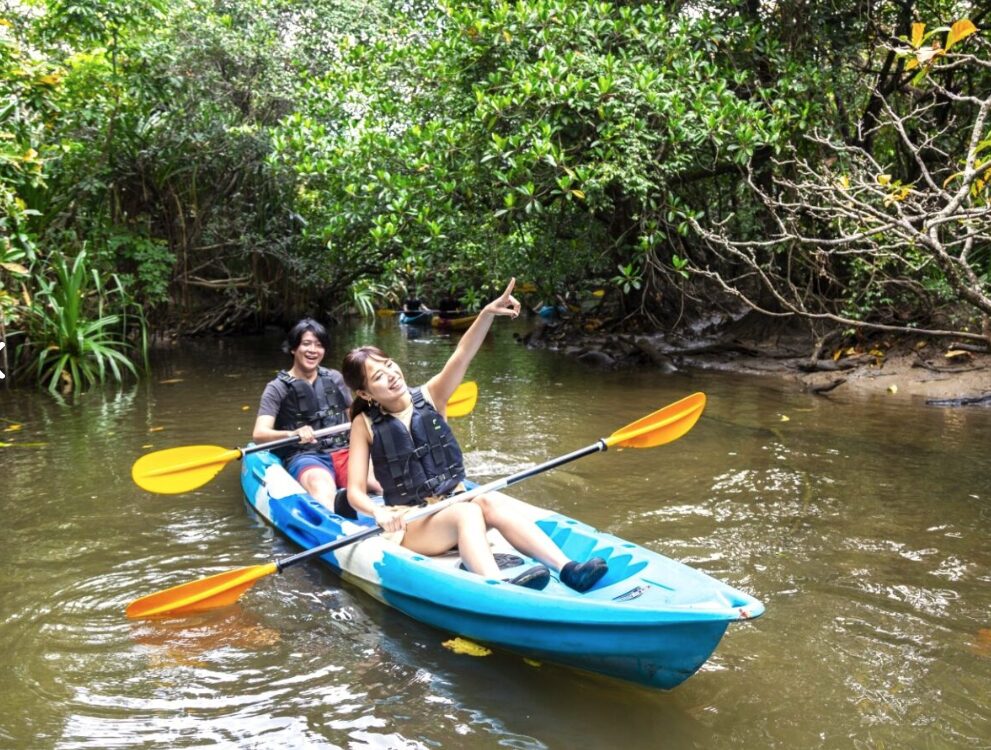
861, 522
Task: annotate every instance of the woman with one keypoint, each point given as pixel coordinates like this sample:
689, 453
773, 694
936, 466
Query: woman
301, 400
417, 459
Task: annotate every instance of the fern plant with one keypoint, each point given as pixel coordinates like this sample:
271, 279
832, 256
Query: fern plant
78, 341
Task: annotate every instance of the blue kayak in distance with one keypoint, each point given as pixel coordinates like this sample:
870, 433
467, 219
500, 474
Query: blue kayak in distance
650, 620
416, 317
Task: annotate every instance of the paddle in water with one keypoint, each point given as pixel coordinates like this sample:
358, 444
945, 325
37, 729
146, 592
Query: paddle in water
660, 427
175, 470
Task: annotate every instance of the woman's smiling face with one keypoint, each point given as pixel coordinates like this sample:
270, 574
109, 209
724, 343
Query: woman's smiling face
384, 381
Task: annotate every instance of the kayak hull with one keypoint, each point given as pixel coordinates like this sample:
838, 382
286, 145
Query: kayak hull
650, 620
415, 318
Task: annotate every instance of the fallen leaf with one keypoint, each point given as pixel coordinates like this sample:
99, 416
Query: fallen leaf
245, 408
147, 445
533, 663
982, 644
892, 388
464, 646
784, 418
170, 381
957, 353
155, 429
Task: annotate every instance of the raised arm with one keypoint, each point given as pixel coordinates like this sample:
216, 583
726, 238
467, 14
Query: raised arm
442, 385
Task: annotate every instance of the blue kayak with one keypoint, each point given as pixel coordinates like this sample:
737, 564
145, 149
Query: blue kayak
650, 620
415, 318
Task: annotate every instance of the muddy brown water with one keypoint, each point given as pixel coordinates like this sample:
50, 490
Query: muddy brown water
862, 523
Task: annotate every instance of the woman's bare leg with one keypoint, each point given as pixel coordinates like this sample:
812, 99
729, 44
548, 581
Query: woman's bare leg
507, 515
461, 524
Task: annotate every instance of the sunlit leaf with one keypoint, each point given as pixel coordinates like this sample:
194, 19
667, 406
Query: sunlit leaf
13, 428
918, 34
957, 354
959, 31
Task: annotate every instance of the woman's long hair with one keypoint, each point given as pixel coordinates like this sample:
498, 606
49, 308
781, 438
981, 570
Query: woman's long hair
353, 370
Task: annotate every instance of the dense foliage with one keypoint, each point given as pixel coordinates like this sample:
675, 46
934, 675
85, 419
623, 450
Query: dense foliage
215, 165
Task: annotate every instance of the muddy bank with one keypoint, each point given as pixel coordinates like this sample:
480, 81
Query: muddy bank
938, 371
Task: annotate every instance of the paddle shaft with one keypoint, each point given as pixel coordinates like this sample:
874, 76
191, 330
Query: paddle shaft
429, 510
293, 439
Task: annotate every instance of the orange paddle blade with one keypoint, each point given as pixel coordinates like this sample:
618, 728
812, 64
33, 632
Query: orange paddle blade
206, 593
663, 426
176, 470
463, 399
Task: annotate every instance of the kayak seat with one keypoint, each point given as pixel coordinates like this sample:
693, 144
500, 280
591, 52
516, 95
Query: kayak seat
342, 507
504, 560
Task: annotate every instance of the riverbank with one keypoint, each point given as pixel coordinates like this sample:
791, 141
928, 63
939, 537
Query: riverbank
935, 370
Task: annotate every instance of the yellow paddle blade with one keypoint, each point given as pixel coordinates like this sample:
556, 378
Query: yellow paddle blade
663, 426
463, 399
176, 470
207, 593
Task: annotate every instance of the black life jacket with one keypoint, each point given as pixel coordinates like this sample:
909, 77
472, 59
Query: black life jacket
302, 406
417, 463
